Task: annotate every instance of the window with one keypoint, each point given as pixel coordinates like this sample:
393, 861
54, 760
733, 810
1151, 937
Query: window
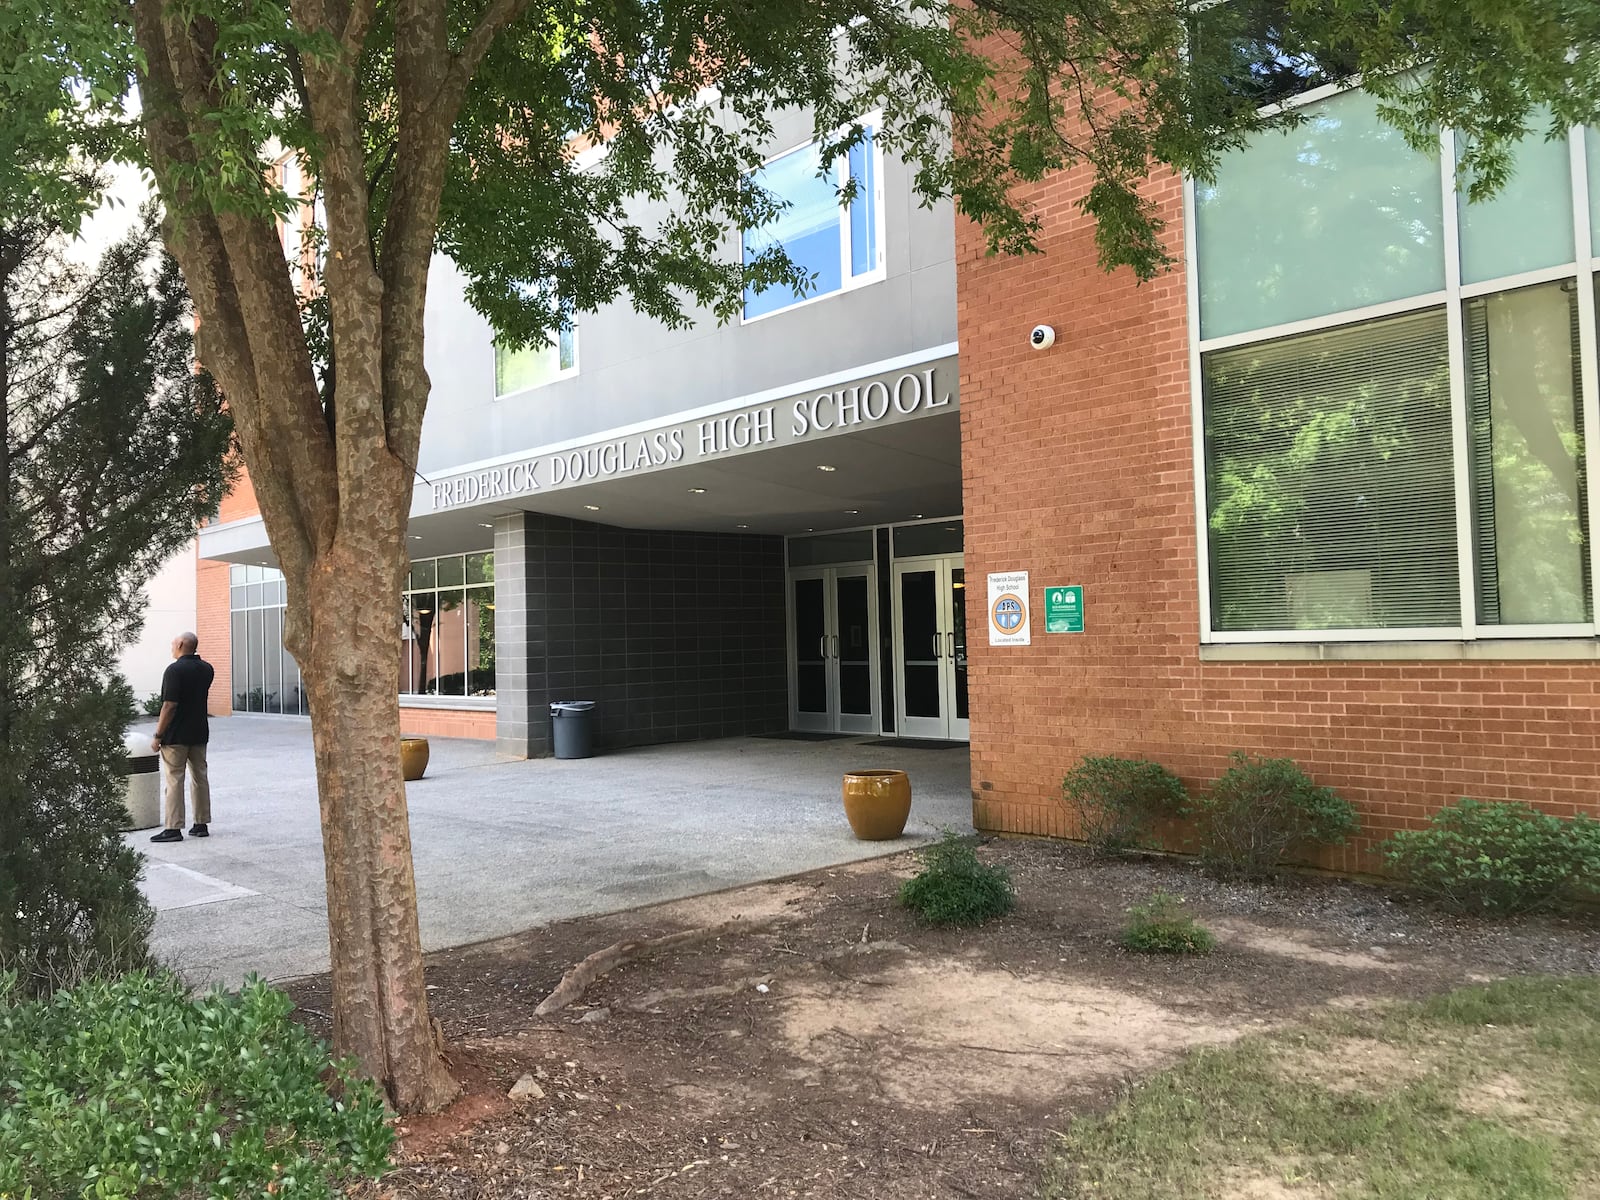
1335, 214
535, 366
447, 627
266, 679
1530, 529
1329, 476
841, 247
1393, 423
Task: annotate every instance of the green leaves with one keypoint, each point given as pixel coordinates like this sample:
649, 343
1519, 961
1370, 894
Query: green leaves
131, 1087
1260, 809
955, 888
1118, 800
1496, 858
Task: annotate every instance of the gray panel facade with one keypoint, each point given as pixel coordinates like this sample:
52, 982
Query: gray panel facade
632, 369
675, 636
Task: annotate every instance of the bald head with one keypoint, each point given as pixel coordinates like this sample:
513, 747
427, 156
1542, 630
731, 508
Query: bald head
184, 643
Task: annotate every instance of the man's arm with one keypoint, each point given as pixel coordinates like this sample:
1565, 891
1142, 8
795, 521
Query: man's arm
169, 707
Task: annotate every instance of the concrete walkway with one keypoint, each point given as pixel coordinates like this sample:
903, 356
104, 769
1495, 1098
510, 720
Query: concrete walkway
505, 846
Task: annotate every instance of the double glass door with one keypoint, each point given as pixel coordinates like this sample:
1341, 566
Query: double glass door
833, 667
930, 647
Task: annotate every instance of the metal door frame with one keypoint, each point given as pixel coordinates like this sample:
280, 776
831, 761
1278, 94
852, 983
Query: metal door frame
947, 725
833, 720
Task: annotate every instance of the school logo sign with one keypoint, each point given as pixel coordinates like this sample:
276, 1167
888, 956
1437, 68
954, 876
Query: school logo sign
1008, 609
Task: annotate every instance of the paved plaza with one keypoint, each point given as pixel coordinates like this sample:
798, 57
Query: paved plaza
506, 846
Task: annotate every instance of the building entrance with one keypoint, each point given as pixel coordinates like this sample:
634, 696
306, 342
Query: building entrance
833, 669
930, 647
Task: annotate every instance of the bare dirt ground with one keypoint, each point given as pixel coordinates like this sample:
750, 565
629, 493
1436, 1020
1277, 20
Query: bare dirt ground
827, 1046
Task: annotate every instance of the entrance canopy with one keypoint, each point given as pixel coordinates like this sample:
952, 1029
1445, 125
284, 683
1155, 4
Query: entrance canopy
878, 449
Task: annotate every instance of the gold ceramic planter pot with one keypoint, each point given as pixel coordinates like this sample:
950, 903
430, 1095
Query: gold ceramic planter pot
877, 803
413, 757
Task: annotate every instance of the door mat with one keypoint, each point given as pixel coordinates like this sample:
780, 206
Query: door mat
902, 743
804, 735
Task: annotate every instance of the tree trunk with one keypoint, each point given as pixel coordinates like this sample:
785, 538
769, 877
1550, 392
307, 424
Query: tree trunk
350, 662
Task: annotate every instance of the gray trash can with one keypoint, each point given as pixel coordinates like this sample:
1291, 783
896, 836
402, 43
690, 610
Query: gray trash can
572, 728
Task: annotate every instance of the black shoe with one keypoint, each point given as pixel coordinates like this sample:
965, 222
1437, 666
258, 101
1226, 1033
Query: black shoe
168, 835
198, 829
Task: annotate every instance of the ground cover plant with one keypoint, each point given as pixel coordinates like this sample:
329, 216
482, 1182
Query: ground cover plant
1496, 858
130, 1087
1161, 926
1482, 1092
1260, 809
954, 887
1118, 800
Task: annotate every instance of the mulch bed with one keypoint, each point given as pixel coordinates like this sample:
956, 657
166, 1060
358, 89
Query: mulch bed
830, 1047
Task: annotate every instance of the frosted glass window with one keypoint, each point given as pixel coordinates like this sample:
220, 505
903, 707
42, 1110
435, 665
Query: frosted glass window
1528, 223
1592, 137
1530, 529
1336, 214
534, 366
1330, 486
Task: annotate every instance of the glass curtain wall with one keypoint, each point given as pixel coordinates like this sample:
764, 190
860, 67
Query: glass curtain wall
447, 627
1391, 389
266, 679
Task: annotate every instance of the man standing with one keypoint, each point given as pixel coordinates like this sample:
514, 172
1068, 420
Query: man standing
182, 732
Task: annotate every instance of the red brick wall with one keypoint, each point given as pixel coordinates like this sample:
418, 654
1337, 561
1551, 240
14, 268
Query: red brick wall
211, 626
447, 722
1078, 466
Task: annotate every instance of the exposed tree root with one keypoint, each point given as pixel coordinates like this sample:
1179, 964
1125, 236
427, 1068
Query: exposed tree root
579, 979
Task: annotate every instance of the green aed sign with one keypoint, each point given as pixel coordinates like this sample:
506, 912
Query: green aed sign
1063, 609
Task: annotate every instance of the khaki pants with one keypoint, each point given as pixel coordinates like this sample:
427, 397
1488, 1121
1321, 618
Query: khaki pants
174, 759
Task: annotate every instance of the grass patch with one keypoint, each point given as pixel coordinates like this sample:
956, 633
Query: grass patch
1500, 1099
1161, 926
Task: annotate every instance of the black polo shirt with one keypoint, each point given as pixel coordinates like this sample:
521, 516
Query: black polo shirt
187, 684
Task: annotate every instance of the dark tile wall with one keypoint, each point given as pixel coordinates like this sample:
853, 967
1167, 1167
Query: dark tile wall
675, 636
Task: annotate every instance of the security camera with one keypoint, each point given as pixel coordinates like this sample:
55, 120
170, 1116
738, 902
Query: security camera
1042, 337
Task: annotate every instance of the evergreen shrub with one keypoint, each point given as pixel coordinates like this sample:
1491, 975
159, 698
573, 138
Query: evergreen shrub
1260, 809
1118, 800
955, 888
1496, 858
130, 1087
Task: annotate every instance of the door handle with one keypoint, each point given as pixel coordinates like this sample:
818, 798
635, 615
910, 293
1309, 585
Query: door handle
836, 645
936, 646
952, 638
822, 646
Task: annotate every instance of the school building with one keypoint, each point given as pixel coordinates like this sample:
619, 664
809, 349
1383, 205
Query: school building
1318, 492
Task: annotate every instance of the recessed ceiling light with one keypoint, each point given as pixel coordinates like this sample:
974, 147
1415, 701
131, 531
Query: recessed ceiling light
415, 537
916, 516
741, 527
697, 491
809, 529
826, 467
592, 507
485, 525
852, 512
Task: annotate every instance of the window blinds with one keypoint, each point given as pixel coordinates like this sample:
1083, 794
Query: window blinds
1329, 480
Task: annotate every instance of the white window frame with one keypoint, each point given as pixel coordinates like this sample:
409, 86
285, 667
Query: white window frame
841, 176
1584, 270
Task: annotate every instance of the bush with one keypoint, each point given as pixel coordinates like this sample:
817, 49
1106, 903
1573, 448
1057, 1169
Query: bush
130, 1087
954, 888
1260, 808
1160, 926
1119, 799
1497, 857
152, 704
